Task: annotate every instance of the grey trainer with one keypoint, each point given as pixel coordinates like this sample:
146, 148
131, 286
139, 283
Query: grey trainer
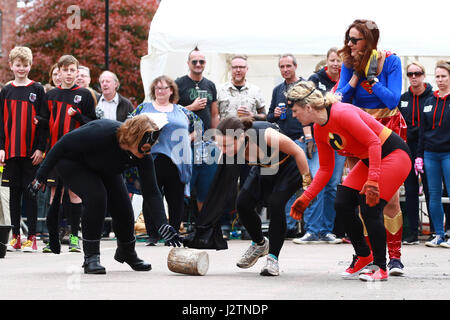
271, 268
253, 253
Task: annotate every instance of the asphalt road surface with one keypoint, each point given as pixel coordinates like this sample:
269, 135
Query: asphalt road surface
308, 272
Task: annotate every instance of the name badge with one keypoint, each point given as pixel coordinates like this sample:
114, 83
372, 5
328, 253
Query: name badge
427, 108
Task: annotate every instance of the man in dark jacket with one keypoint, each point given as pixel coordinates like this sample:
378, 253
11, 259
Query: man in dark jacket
112, 105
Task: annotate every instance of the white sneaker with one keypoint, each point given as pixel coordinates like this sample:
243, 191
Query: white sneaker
308, 238
330, 238
435, 242
253, 253
445, 244
271, 268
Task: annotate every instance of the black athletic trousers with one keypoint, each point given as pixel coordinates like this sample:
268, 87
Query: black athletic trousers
15, 208
346, 203
99, 193
168, 180
246, 206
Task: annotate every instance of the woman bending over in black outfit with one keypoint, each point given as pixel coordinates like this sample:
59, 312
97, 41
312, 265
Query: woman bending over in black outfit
90, 161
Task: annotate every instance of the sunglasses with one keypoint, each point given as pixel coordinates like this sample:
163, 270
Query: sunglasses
147, 141
352, 39
417, 74
194, 62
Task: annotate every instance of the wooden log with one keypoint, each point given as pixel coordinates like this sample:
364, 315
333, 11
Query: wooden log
188, 261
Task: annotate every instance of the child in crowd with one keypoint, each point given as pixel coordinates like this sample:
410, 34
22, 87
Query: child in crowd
22, 142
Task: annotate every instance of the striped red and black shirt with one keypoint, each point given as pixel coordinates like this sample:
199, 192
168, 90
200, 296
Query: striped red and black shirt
60, 101
19, 107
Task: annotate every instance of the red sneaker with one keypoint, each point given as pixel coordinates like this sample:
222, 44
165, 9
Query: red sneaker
358, 264
374, 275
30, 245
15, 244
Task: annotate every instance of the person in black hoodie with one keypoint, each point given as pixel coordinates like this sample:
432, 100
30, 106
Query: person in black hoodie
411, 104
327, 77
434, 148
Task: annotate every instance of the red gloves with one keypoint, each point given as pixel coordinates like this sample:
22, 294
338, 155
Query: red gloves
300, 206
372, 192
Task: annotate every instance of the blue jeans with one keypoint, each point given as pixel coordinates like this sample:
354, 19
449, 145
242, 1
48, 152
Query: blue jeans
312, 215
329, 195
437, 165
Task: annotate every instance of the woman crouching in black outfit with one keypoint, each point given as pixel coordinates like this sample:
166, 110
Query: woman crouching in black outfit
90, 161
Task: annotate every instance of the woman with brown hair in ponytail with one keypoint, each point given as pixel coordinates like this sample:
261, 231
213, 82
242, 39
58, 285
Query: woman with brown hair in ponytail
278, 166
371, 79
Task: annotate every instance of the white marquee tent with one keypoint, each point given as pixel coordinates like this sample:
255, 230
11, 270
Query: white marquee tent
264, 29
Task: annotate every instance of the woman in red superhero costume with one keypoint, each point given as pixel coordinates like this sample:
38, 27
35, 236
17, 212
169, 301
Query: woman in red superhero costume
384, 163
371, 79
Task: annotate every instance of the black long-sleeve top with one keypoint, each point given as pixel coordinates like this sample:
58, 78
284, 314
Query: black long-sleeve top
96, 147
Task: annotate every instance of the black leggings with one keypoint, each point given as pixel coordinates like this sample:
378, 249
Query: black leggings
246, 204
15, 207
99, 193
168, 180
346, 203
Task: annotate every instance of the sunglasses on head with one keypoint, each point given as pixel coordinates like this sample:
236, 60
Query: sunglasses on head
292, 101
147, 141
417, 74
194, 62
352, 39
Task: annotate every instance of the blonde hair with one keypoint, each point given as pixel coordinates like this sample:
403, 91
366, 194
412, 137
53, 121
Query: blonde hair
416, 63
443, 64
305, 92
24, 54
133, 129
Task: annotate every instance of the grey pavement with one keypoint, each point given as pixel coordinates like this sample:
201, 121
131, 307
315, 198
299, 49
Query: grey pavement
308, 272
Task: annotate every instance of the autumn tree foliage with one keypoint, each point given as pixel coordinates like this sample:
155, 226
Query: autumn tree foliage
52, 28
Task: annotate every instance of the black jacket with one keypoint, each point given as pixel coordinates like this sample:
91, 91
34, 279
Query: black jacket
434, 133
124, 108
410, 107
322, 81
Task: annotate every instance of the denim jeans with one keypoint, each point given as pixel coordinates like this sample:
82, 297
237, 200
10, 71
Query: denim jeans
313, 214
329, 195
437, 165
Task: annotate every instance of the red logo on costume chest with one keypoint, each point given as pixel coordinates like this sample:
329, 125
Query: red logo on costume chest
367, 86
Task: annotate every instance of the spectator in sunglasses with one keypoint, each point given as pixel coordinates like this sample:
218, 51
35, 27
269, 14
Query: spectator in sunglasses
371, 79
199, 95
90, 161
411, 105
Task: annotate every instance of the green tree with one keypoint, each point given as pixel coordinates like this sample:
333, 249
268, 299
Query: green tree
52, 28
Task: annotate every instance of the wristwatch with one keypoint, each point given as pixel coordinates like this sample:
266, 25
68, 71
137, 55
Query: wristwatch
373, 81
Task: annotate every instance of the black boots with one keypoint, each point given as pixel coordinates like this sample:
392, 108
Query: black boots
91, 263
125, 253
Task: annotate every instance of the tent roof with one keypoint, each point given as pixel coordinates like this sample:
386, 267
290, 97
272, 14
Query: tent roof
414, 28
